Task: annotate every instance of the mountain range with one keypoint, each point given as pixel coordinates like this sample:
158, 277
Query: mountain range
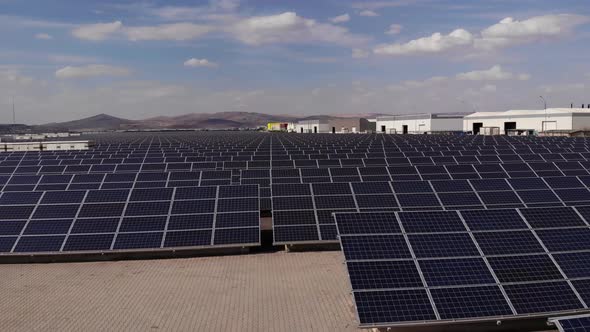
221, 120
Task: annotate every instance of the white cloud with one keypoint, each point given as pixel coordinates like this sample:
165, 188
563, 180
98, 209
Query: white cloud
194, 62
93, 70
495, 73
182, 13
288, 27
512, 32
394, 29
44, 36
358, 53
407, 85
368, 13
97, 31
539, 26
340, 18
176, 31
507, 32
433, 44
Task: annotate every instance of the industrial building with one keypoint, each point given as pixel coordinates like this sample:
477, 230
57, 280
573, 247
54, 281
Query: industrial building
420, 123
536, 121
45, 146
280, 126
333, 125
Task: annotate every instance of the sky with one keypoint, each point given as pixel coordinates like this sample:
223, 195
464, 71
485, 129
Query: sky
68, 59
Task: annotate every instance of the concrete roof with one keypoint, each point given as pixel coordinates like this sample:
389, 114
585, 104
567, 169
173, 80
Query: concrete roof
281, 291
421, 116
529, 112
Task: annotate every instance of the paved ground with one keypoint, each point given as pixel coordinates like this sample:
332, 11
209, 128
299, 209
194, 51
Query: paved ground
258, 292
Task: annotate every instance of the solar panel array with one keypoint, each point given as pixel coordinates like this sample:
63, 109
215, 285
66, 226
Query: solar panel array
578, 323
129, 219
302, 212
428, 267
418, 216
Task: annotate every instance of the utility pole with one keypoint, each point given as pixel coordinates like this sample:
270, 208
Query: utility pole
13, 112
545, 108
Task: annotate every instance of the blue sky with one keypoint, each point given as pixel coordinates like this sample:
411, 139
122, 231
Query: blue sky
66, 59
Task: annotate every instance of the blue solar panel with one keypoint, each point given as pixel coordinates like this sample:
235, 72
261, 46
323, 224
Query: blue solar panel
418, 200
138, 240
52, 226
238, 205
13, 198
147, 208
431, 222
188, 238
297, 233
39, 243
7, 242
508, 243
502, 219
412, 187
334, 202
499, 197
377, 307
570, 239
159, 194
455, 272
443, 245
542, 297
227, 236
579, 323
95, 225
367, 223
101, 210
292, 203
187, 222
98, 196
574, 265
56, 211
384, 274
470, 302
524, 268
11, 227
143, 224
243, 219
57, 197
552, 217
384, 201
92, 242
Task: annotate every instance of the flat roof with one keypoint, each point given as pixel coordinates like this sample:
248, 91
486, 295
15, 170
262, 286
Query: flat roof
44, 142
280, 291
555, 111
422, 116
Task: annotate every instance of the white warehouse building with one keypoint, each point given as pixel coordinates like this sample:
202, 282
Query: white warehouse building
536, 120
419, 123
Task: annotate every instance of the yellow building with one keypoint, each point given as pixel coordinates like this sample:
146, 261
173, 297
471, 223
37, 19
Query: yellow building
277, 126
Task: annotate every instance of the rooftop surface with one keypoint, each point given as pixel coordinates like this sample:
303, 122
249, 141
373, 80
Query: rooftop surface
258, 292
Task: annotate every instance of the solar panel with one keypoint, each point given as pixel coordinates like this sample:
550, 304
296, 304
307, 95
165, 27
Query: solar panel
578, 323
470, 302
464, 265
151, 219
455, 272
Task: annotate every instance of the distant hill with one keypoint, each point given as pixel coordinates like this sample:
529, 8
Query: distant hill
97, 122
221, 120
